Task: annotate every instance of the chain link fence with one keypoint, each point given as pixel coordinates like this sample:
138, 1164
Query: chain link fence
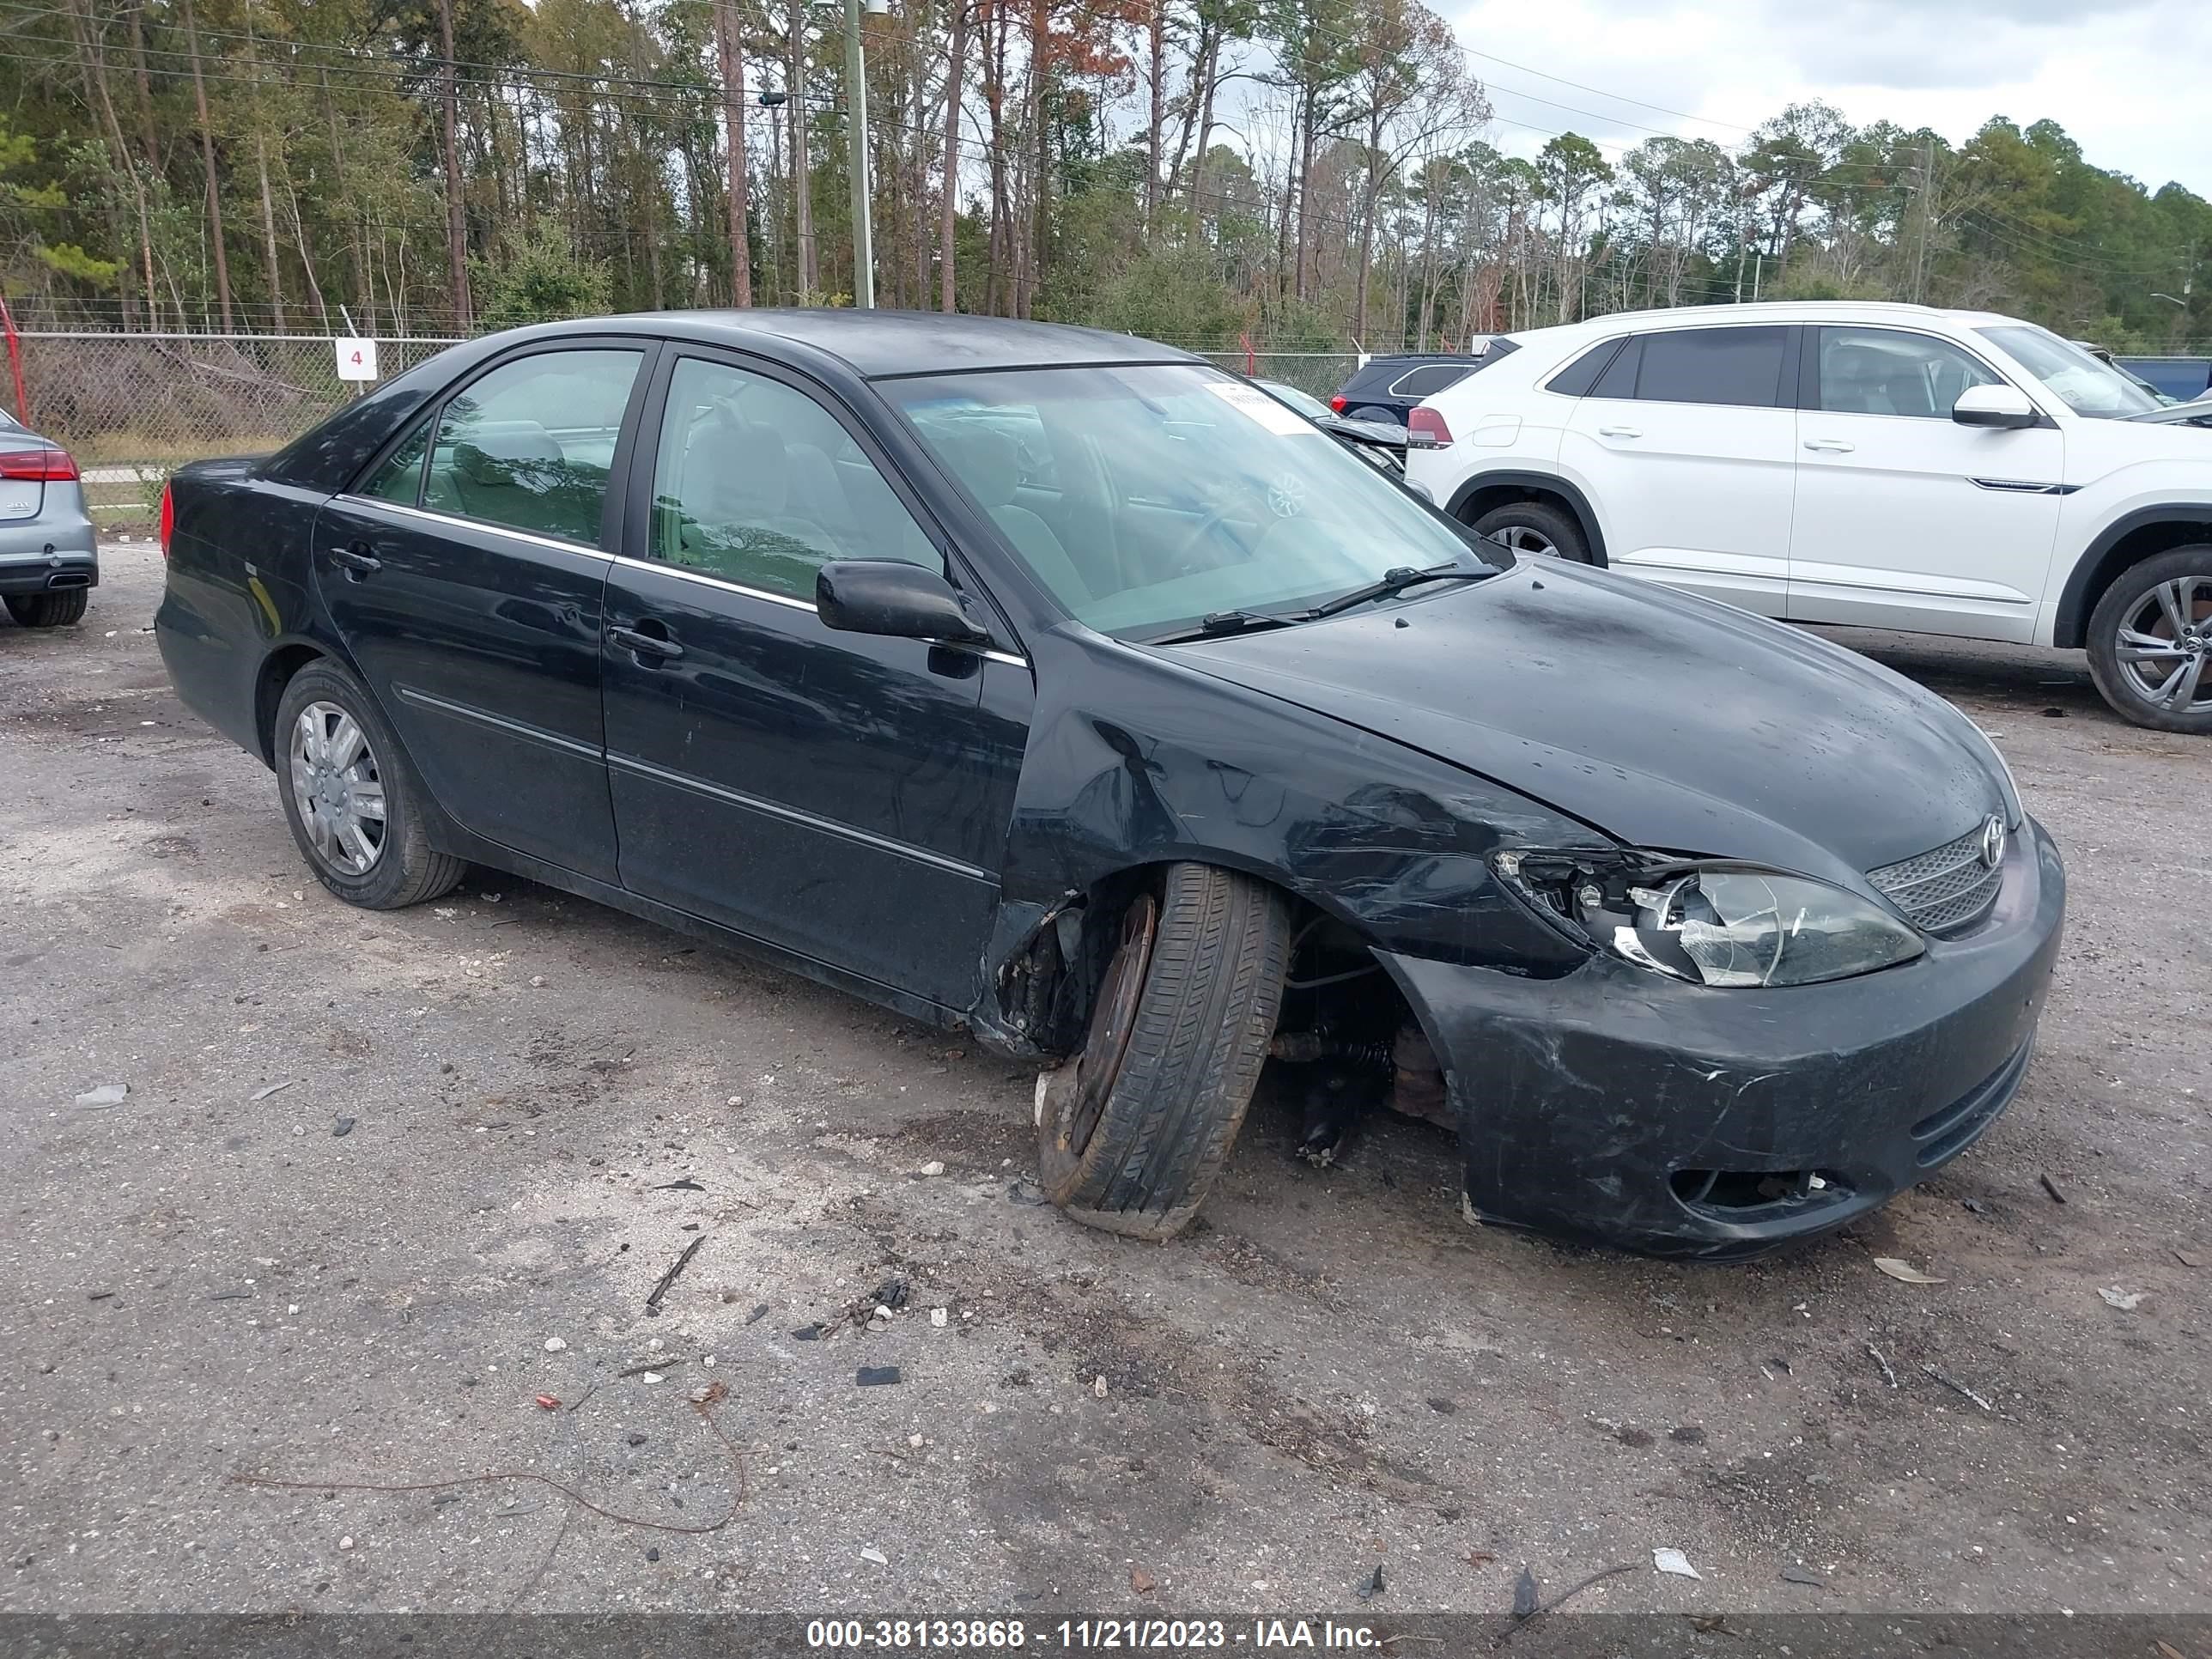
131, 407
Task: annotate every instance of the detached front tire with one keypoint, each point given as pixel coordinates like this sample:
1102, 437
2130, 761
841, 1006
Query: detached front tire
2150, 641
1132, 1133
352, 801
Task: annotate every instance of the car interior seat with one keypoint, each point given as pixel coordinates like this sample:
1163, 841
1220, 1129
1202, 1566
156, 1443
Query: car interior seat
991, 468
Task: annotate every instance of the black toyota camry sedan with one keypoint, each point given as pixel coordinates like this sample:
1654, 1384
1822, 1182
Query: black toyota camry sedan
1064, 688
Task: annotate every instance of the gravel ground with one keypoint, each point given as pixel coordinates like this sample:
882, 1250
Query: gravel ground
380, 1180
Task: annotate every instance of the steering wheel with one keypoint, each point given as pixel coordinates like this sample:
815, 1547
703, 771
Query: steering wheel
1286, 499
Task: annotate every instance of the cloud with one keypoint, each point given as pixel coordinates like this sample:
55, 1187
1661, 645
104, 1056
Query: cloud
2107, 71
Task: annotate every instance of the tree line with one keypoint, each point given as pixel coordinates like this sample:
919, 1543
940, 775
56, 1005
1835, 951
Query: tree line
1302, 174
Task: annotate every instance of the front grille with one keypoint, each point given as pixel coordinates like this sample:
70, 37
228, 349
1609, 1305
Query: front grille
1944, 891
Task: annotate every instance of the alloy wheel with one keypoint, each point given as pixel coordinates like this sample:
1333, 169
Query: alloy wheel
338, 788
1524, 539
2164, 640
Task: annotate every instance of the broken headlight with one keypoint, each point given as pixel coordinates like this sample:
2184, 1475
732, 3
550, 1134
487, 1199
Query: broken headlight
1711, 924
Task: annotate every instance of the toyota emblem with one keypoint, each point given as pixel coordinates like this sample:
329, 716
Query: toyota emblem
1993, 842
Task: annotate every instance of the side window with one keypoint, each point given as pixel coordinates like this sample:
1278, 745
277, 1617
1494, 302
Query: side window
759, 484
1884, 371
1579, 377
1428, 380
1736, 366
400, 478
1619, 380
530, 445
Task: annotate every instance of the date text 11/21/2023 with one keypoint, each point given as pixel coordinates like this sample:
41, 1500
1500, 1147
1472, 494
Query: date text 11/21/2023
1152, 1635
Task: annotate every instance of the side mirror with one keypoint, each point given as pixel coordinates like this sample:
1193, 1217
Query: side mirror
1998, 407
891, 598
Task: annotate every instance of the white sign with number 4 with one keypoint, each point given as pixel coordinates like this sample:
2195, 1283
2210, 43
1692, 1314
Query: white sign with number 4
357, 359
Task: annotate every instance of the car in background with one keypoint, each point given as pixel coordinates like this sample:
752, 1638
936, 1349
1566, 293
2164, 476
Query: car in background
49, 554
2180, 378
1382, 442
1892, 466
1389, 387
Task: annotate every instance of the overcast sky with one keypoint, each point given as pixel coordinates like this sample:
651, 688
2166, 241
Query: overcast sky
2132, 79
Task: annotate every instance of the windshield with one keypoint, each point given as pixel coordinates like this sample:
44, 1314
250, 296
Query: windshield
2085, 385
1148, 497
1290, 398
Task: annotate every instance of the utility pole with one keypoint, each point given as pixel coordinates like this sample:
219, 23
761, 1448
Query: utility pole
856, 142
1927, 212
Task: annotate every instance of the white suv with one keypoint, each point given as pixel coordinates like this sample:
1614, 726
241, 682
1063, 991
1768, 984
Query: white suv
1886, 465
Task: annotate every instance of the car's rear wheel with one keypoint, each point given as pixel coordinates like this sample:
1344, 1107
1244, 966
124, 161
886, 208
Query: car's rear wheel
2150, 641
48, 610
352, 801
1131, 1134
1535, 530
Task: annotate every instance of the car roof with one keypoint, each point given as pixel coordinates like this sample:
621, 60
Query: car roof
879, 345
1771, 312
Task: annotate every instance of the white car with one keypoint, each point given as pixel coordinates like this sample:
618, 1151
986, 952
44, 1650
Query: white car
1884, 465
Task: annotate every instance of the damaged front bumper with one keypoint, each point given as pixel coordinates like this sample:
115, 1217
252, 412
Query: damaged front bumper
1616, 1105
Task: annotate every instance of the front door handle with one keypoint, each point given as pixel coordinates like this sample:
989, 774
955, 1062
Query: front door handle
642, 644
357, 561
1831, 446
1620, 432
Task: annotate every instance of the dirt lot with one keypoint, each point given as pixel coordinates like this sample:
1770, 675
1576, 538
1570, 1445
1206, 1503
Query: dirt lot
495, 1123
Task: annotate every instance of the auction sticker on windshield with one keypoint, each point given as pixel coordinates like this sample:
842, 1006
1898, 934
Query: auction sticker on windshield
1284, 422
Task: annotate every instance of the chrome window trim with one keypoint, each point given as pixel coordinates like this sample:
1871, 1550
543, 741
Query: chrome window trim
557, 544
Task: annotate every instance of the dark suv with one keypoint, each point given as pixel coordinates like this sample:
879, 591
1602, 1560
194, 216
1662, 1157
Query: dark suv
1386, 388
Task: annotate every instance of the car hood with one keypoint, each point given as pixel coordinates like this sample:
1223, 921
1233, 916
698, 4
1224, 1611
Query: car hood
1666, 721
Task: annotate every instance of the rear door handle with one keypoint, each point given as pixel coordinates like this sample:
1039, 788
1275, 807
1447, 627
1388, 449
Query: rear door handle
645, 645
1832, 445
355, 561
1620, 432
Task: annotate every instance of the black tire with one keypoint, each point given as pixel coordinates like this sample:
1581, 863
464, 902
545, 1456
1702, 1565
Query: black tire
405, 869
1135, 1146
1535, 522
2132, 604
48, 610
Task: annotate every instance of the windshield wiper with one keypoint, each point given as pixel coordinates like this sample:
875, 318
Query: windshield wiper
1216, 623
1394, 582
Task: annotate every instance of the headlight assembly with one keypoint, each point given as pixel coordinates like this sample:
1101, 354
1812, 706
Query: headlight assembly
1711, 923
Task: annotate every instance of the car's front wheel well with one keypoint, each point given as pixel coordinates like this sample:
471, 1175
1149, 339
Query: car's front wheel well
276, 672
2143, 541
1339, 1003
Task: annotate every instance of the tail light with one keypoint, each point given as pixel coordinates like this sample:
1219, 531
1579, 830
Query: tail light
43, 466
1337, 402
1429, 421
168, 517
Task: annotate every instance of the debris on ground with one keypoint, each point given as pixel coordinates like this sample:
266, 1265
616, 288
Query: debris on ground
1527, 1597
1098, 1385
891, 1293
553, 1344
877, 1376
2052, 1187
1881, 1359
264, 1093
808, 1333
757, 1314
1957, 1386
343, 1127
1675, 1562
1904, 1272
875, 1555
653, 1299
1686, 1434
1372, 1585
1022, 1193
686, 1185
1440, 1406
2189, 1258
549, 1402
107, 1094
2125, 1300
650, 1377
939, 1317
934, 1167
1142, 1582
1793, 1574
